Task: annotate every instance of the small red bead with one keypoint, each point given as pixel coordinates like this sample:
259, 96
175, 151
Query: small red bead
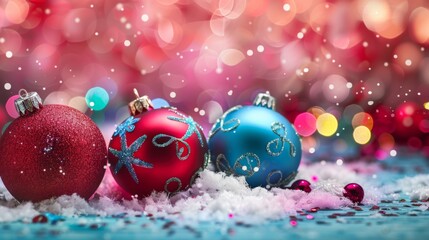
302, 185
40, 219
354, 192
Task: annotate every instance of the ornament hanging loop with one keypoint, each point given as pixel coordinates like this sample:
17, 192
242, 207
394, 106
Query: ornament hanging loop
265, 100
140, 104
23, 93
27, 102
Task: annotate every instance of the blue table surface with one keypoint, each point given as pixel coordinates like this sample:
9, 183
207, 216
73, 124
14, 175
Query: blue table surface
398, 219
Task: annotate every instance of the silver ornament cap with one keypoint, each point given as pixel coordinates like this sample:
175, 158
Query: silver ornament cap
265, 100
140, 104
27, 102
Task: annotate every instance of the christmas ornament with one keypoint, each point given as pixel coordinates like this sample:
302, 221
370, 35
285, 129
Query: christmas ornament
256, 142
354, 192
50, 151
156, 150
41, 218
47, 217
302, 185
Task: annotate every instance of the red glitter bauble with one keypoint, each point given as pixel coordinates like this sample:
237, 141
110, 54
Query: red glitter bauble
53, 151
158, 150
354, 192
302, 185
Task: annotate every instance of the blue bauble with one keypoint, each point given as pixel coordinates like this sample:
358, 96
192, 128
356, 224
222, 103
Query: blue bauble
256, 142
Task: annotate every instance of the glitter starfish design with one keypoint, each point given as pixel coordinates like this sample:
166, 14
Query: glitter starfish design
126, 156
193, 127
126, 126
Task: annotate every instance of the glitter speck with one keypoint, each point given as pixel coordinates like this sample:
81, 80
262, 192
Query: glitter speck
127, 43
145, 18
77, 20
47, 149
349, 85
260, 48
7, 86
120, 7
286, 7
172, 94
408, 62
9, 54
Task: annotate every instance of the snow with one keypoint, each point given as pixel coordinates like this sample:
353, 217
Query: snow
417, 187
217, 197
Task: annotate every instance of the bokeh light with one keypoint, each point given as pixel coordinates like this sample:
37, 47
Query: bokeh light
326, 124
362, 135
97, 98
335, 67
386, 141
363, 119
335, 88
10, 106
159, 103
305, 124
78, 103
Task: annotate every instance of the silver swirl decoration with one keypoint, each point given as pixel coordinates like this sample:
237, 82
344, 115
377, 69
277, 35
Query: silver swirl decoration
249, 163
180, 150
195, 175
169, 181
207, 157
223, 165
226, 126
277, 174
276, 147
193, 128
